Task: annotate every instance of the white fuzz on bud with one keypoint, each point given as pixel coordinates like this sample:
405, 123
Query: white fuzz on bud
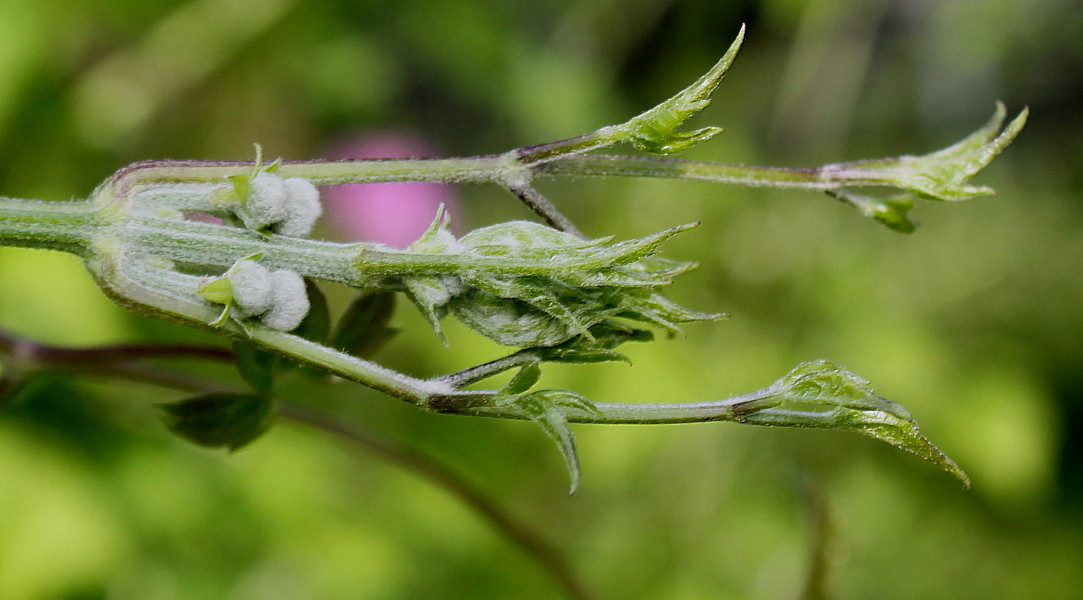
290, 303
265, 203
252, 288
302, 208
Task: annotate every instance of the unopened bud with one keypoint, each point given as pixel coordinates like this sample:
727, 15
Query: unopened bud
290, 304
265, 203
252, 288
302, 208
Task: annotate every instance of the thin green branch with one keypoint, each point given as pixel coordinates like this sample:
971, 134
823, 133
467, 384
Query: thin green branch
689, 170
65, 226
543, 208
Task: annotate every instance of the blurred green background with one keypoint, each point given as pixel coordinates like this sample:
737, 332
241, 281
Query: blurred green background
974, 322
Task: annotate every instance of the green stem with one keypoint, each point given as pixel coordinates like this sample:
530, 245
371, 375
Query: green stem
502, 169
746, 408
476, 169
562, 159
753, 176
163, 292
65, 226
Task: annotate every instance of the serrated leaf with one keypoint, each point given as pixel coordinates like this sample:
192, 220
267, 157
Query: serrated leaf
581, 355
656, 129
363, 328
823, 395
941, 175
220, 420
525, 285
599, 349
509, 321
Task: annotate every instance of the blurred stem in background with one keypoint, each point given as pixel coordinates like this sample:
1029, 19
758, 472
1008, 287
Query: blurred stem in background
22, 357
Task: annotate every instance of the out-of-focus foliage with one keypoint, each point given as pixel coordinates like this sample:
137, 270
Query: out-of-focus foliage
973, 322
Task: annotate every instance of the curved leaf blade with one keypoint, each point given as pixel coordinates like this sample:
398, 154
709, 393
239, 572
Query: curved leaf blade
821, 394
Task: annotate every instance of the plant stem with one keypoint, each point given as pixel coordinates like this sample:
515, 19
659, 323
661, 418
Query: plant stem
737, 408
668, 168
560, 161
543, 208
501, 169
65, 226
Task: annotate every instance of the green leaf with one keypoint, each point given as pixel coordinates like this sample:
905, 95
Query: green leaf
656, 129
941, 175
430, 295
823, 395
219, 420
218, 291
525, 285
544, 408
240, 185
438, 236
889, 211
363, 328
600, 349
509, 321
525, 379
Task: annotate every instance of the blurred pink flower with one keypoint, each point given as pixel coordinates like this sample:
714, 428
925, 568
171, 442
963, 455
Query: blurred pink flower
389, 213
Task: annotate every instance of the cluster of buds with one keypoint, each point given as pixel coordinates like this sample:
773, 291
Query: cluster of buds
250, 290
267, 202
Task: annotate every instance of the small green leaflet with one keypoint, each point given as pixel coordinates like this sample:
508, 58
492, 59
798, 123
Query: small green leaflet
655, 130
820, 394
219, 420
363, 329
546, 409
941, 176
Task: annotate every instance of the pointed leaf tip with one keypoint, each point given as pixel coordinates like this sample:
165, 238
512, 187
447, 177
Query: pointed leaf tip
544, 408
655, 130
823, 395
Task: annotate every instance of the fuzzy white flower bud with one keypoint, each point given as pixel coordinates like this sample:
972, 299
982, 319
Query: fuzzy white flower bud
252, 288
265, 203
290, 304
302, 207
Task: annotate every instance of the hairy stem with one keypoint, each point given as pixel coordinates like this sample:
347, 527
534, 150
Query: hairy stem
65, 226
543, 208
729, 409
